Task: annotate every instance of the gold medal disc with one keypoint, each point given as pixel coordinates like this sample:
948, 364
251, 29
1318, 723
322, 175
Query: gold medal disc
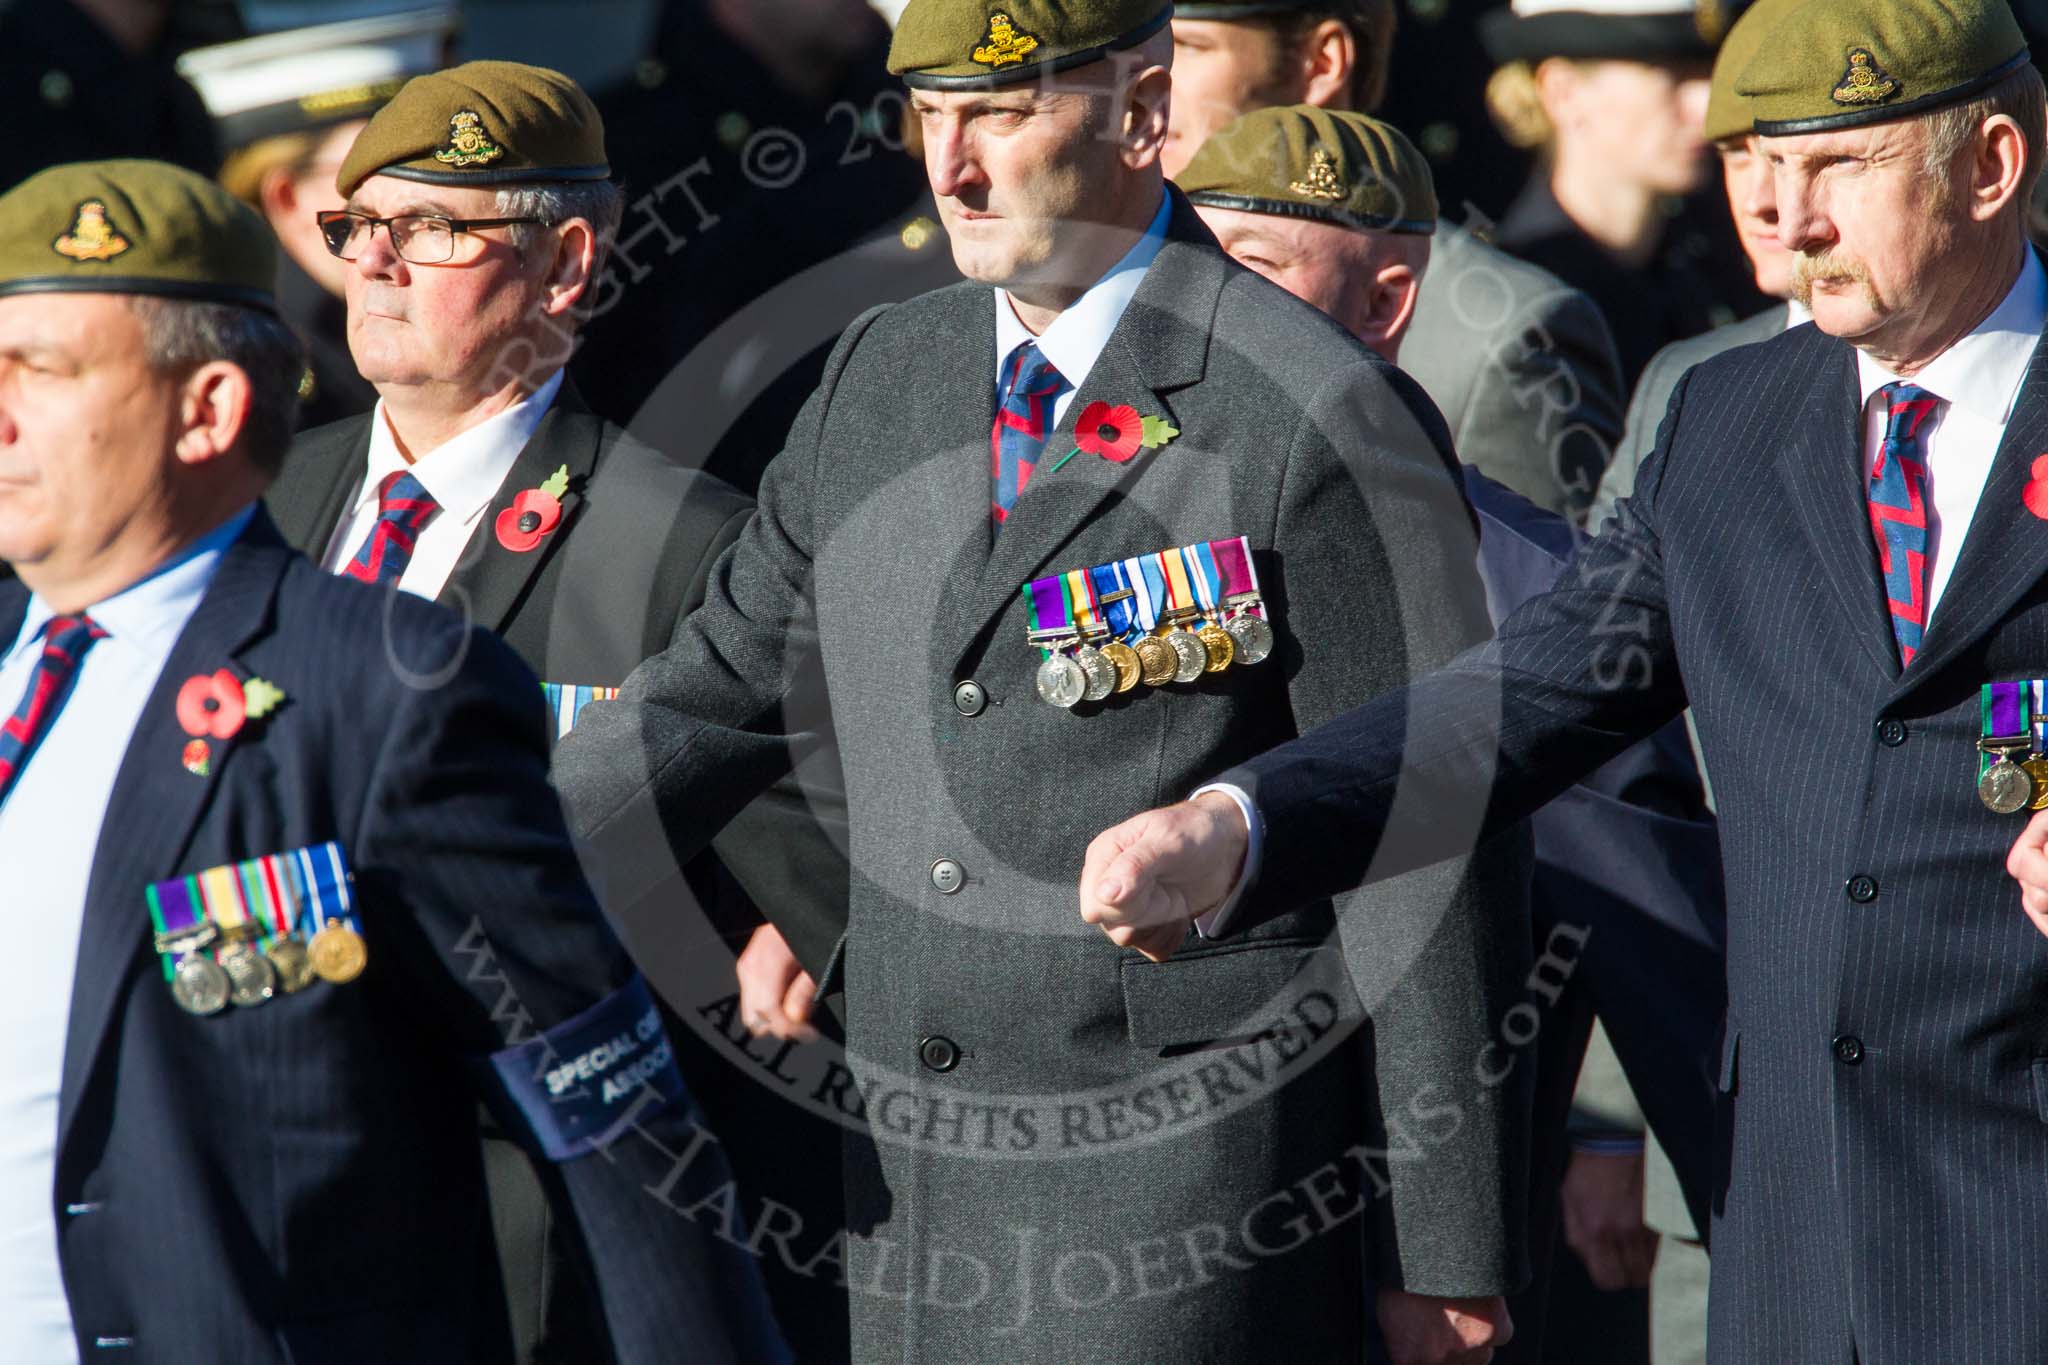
1157, 662
294, 965
1222, 649
338, 953
1124, 660
2037, 769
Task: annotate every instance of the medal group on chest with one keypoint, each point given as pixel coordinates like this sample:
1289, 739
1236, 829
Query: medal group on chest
1172, 616
244, 933
2012, 756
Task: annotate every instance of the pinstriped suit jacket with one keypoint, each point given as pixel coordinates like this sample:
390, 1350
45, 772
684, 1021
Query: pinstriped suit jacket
1883, 1189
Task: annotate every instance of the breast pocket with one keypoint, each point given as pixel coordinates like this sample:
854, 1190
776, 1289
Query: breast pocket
1235, 991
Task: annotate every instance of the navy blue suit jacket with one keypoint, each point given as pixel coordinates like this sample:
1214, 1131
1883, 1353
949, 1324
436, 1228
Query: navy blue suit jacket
1884, 1075
299, 1181
1628, 892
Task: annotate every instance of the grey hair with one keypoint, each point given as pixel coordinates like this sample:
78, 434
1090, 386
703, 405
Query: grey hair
598, 202
2019, 97
179, 335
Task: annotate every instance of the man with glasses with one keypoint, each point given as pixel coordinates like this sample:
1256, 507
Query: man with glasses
478, 214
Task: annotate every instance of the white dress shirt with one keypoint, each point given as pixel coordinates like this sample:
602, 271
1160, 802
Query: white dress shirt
49, 835
1977, 380
1074, 341
461, 474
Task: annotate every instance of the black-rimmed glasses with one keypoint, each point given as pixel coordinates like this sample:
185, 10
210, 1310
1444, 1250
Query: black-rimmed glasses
419, 238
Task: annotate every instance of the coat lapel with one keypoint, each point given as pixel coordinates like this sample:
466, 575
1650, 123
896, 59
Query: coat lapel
2006, 549
320, 480
1822, 467
490, 580
156, 805
1161, 345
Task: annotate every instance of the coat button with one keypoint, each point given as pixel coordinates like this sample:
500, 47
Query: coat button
948, 876
1862, 889
1849, 1050
1891, 732
969, 699
938, 1053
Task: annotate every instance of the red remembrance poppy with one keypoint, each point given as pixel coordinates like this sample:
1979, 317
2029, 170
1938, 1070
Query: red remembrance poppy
1114, 433
2036, 494
211, 704
530, 517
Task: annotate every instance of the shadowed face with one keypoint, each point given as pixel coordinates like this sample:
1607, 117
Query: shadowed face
87, 430
1753, 202
1221, 72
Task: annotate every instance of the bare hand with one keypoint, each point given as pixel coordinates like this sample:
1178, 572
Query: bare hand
1421, 1330
1148, 878
2028, 864
1603, 1219
775, 991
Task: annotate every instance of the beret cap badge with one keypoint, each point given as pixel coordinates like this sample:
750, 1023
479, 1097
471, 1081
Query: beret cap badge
92, 237
468, 144
1004, 46
1864, 82
1322, 180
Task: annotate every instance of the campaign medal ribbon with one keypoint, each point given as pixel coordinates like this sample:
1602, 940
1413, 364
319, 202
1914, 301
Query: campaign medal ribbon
274, 889
1061, 682
336, 946
1087, 613
1118, 603
183, 934
566, 702
1246, 610
1192, 657
1208, 582
2035, 765
251, 977
2003, 785
1157, 661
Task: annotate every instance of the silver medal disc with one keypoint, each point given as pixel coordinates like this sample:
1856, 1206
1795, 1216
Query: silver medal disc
1192, 653
2005, 788
1253, 637
199, 985
1101, 672
1062, 682
251, 977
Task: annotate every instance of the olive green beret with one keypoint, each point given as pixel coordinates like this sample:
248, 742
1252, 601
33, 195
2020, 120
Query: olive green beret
1832, 64
482, 123
134, 227
1727, 112
1308, 162
981, 44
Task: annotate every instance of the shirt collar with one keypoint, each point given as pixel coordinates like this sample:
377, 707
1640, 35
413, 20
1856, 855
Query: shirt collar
1797, 314
1981, 373
150, 613
1076, 337
463, 473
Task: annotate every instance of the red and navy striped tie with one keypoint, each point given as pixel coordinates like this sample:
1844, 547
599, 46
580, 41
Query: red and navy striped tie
65, 640
1023, 421
1898, 511
404, 507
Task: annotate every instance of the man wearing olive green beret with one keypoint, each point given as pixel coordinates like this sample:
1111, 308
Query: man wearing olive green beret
1071, 1153
1521, 366
1835, 556
295, 915
479, 216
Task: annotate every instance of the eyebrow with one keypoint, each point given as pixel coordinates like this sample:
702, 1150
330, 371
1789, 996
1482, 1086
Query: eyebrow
426, 206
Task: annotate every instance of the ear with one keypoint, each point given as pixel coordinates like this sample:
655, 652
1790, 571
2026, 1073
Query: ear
1329, 58
1390, 307
1146, 106
1557, 87
569, 272
213, 409
1997, 167
277, 194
